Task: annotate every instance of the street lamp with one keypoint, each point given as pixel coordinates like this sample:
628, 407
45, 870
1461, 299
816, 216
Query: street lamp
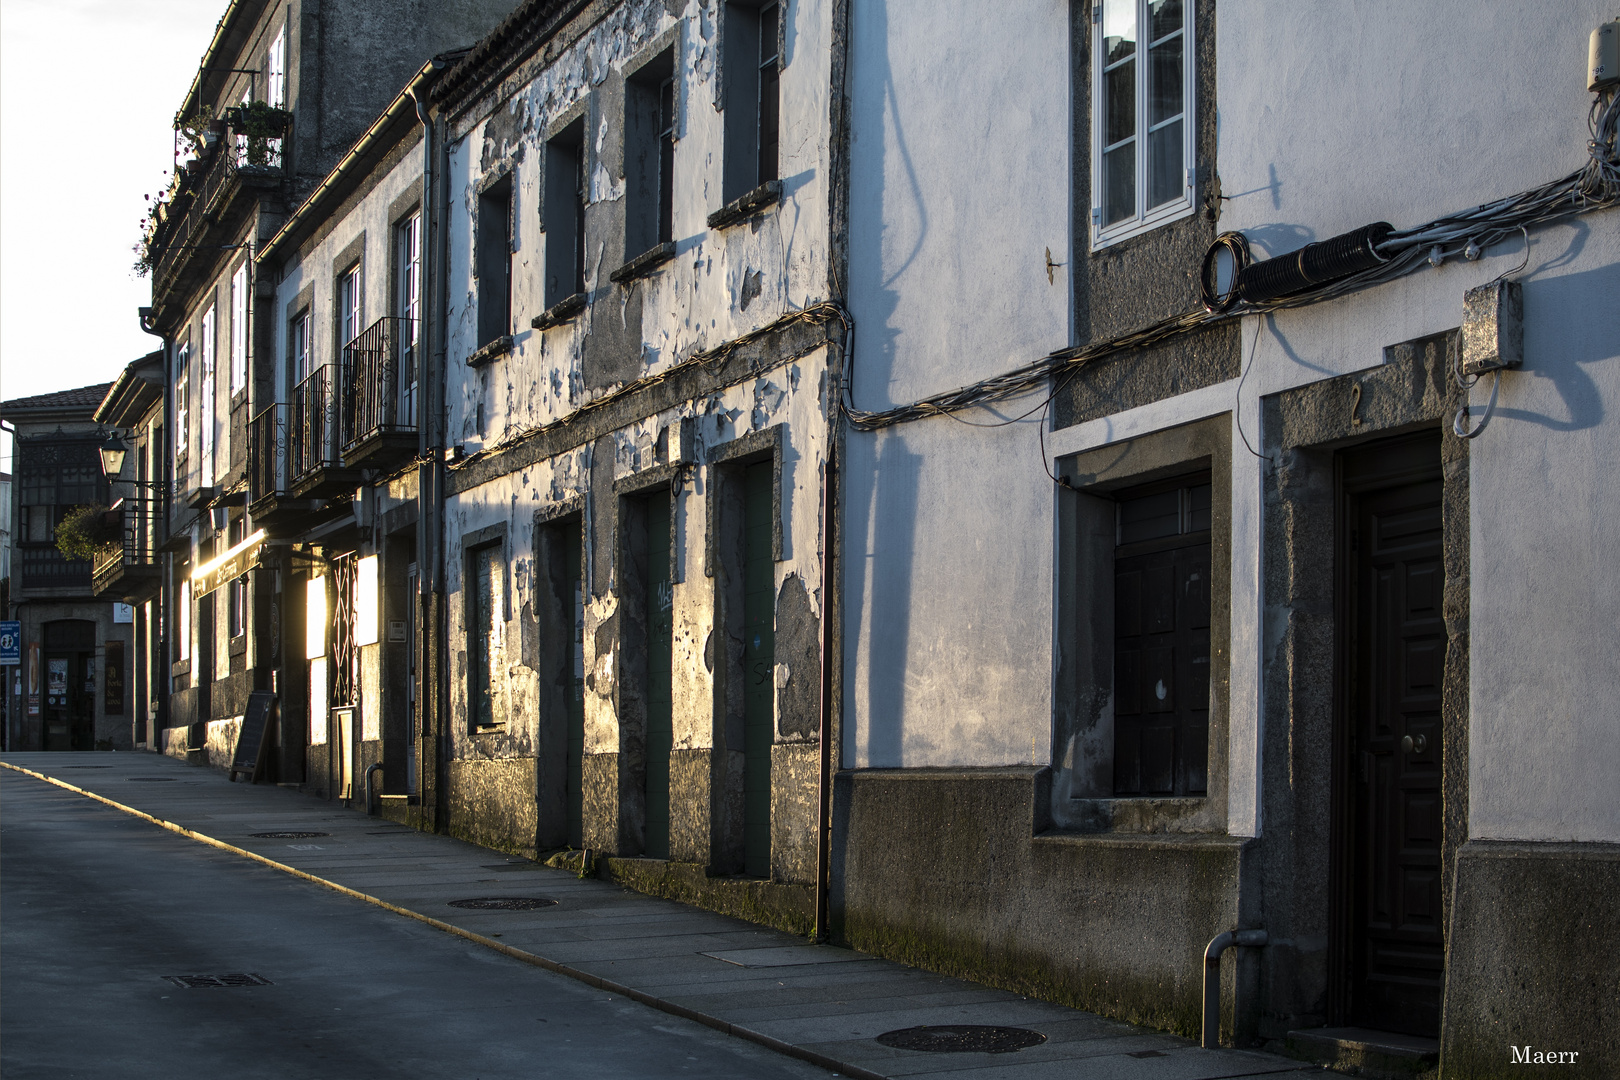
113, 452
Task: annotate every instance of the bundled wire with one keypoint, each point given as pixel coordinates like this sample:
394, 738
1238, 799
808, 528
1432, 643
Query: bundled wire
1595, 186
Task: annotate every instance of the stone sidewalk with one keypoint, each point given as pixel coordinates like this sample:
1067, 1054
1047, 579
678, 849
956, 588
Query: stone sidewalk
820, 1004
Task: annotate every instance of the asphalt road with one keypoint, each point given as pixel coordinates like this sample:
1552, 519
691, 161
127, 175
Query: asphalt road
98, 908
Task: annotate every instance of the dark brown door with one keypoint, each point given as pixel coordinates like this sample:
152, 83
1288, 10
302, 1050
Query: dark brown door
1394, 660
1161, 641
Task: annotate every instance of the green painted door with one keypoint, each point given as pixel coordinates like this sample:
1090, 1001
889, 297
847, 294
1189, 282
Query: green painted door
576, 696
759, 663
660, 628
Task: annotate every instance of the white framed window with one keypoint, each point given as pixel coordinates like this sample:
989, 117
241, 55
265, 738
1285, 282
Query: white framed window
276, 70
205, 411
1142, 147
182, 400
298, 347
182, 619
239, 320
408, 306
349, 305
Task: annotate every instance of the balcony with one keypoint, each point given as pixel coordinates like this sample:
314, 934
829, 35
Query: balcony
131, 568
233, 162
379, 376
314, 461
269, 457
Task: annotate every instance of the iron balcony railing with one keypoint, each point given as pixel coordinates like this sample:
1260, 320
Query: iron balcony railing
141, 531
378, 376
267, 453
313, 444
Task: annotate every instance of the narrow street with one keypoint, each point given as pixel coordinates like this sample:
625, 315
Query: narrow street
100, 907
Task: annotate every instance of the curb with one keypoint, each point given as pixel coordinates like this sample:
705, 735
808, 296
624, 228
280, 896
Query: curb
662, 1005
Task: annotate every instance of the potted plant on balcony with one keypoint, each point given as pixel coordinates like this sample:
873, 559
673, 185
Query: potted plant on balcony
89, 532
262, 125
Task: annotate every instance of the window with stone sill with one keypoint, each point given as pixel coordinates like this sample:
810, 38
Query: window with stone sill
1142, 116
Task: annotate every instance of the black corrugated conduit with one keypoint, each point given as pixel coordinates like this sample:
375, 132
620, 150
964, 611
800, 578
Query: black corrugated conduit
1313, 265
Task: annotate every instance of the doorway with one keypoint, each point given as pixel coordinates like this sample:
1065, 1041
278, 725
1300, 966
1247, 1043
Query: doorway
70, 685
1392, 649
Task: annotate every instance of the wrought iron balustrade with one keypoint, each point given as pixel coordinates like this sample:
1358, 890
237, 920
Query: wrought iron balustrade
313, 442
130, 565
378, 377
267, 453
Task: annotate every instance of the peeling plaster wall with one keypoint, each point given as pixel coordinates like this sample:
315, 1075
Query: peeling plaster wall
720, 284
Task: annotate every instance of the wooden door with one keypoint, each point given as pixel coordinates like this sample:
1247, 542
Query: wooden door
1394, 660
660, 630
759, 668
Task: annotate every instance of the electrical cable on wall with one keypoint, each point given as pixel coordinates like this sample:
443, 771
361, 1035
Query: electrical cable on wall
1385, 253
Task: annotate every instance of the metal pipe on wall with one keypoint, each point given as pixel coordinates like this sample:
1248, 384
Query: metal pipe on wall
1212, 977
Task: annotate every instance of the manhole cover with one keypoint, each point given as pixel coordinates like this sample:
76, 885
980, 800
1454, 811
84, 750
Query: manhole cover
504, 903
203, 982
288, 835
962, 1039
150, 779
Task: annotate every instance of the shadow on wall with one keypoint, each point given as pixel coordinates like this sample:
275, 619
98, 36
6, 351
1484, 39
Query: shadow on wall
1572, 306
882, 606
878, 249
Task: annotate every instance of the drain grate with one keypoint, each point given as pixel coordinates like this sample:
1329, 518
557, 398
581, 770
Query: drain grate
150, 779
288, 835
86, 766
504, 903
1147, 1054
504, 868
204, 982
962, 1039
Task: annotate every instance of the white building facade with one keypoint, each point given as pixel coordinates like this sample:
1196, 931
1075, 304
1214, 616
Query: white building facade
1226, 628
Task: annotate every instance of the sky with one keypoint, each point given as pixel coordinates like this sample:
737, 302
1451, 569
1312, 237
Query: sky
88, 93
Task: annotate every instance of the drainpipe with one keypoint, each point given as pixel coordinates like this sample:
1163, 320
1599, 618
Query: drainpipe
1212, 977
431, 475
824, 813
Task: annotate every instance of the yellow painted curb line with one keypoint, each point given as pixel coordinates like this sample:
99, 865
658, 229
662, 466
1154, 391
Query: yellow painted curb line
767, 1041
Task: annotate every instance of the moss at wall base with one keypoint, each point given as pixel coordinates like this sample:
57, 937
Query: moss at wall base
790, 908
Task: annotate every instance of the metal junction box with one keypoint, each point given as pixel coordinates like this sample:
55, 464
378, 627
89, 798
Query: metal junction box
1493, 327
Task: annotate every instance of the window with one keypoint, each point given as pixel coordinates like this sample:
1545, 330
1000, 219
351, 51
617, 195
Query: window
649, 155
205, 419
182, 622
753, 60
408, 301
486, 590
242, 156
276, 70
1142, 109
564, 213
236, 600
182, 399
298, 347
349, 326
239, 329
495, 261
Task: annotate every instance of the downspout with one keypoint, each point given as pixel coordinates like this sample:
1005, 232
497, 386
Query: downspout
166, 583
431, 473
1212, 977
829, 478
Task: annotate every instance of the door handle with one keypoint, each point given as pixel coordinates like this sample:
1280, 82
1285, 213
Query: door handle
1415, 745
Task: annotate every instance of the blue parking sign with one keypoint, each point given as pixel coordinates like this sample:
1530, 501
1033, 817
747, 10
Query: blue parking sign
10, 642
